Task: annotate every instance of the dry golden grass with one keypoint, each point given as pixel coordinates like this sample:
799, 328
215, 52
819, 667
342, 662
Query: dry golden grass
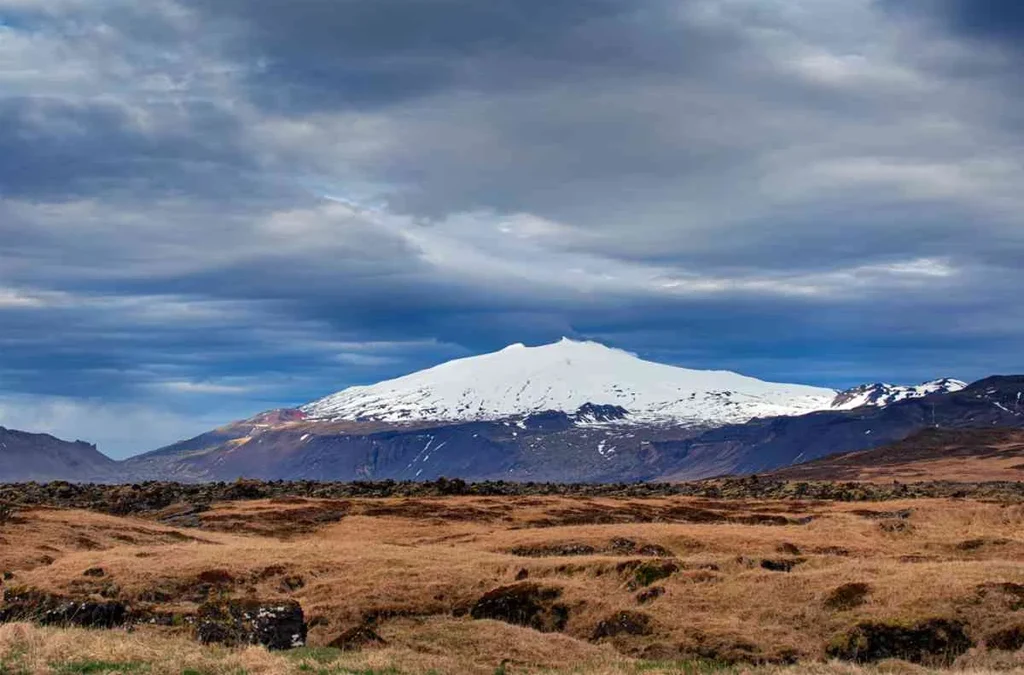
415, 565
438, 646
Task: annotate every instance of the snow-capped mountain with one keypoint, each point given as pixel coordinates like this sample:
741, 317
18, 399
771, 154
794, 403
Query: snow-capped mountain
565, 376
880, 394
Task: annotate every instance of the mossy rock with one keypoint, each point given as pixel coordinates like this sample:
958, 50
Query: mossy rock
848, 596
526, 604
275, 625
625, 622
931, 642
655, 570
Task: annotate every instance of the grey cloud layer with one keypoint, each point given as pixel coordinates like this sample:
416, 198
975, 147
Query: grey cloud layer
217, 205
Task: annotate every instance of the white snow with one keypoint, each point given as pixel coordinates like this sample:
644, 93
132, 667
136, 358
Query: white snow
881, 394
563, 376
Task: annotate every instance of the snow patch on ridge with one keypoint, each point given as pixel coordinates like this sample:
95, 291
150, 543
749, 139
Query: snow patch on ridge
881, 394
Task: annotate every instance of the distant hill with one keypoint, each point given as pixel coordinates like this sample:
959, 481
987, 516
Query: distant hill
41, 457
968, 455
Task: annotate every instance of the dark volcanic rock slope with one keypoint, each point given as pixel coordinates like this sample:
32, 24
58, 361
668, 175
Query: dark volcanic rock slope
763, 445
551, 446
41, 457
975, 454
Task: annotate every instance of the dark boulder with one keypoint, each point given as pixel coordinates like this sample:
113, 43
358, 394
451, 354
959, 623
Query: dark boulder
27, 604
275, 625
526, 604
931, 642
782, 565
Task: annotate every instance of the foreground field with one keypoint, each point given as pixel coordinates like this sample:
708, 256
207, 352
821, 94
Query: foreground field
599, 585
26, 650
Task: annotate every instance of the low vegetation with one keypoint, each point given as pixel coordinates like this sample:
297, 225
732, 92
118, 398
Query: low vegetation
147, 497
513, 584
27, 650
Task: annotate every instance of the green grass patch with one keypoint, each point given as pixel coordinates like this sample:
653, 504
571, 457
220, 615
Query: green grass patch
323, 661
317, 654
96, 667
12, 667
11, 662
694, 667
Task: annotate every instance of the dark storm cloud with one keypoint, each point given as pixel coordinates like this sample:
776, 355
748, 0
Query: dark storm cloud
60, 149
984, 19
211, 208
999, 18
324, 55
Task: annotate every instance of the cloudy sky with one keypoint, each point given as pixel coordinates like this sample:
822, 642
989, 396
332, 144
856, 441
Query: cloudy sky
213, 207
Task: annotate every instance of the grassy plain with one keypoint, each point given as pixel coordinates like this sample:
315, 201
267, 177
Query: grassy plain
704, 576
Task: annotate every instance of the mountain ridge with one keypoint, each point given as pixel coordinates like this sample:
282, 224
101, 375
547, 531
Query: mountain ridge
554, 446
883, 394
523, 427
26, 456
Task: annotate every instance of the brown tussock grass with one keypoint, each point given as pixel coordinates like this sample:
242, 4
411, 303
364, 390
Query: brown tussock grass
433, 647
415, 565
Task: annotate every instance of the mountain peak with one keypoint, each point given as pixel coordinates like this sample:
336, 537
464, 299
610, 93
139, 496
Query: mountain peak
563, 376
